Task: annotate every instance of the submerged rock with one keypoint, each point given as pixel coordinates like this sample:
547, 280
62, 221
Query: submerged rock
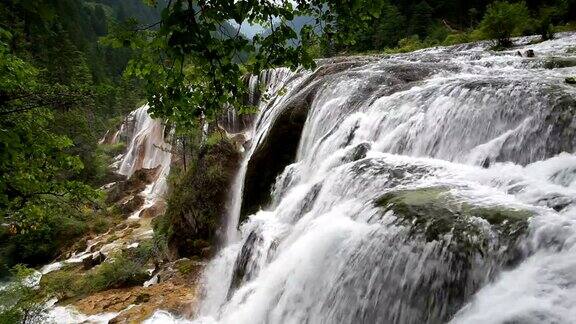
559, 62
435, 213
464, 245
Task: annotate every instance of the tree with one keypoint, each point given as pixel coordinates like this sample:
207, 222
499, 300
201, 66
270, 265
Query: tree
421, 19
38, 194
504, 20
193, 66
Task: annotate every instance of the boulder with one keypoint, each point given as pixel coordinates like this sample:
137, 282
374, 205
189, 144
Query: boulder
151, 212
131, 204
461, 247
92, 261
559, 62
132, 186
434, 213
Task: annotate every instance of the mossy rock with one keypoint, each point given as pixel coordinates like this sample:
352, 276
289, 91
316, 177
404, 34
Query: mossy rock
571, 80
197, 202
559, 62
437, 215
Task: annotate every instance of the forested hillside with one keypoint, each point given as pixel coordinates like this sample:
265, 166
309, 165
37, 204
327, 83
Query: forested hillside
60, 90
411, 25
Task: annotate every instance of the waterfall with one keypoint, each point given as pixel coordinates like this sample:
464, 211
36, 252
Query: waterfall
271, 82
148, 148
425, 187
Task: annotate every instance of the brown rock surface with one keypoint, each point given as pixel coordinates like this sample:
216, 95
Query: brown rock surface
179, 294
157, 209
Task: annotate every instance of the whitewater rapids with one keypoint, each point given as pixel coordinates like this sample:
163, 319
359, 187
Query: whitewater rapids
476, 129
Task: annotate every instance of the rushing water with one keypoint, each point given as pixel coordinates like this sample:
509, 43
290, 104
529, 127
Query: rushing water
478, 129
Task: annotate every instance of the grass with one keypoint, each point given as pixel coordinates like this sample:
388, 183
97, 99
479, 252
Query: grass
125, 269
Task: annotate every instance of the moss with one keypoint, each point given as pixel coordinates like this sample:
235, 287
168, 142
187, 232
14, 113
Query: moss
186, 266
197, 200
434, 213
559, 62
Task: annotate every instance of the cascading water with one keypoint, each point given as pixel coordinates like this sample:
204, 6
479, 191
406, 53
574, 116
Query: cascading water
147, 147
427, 187
270, 82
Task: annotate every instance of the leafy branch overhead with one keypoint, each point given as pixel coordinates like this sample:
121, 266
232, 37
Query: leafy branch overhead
193, 60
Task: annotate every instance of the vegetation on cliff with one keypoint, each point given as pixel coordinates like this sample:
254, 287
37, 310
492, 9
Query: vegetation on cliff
59, 91
198, 200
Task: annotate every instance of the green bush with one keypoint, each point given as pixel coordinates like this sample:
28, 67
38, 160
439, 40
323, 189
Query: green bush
124, 269
197, 199
408, 44
460, 38
504, 20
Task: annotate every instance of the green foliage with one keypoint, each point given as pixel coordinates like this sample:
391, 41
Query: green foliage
20, 300
56, 101
37, 192
408, 44
124, 269
504, 20
193, 66
197, 199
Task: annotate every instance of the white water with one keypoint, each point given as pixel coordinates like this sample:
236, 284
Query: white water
271, 82
323, 252
147, 148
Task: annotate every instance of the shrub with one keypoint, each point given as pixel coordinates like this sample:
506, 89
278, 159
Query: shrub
408, 44
124, 269
504, 20
459, 38
198, 199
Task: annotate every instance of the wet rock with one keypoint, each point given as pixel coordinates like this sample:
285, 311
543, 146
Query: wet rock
142, 298
134, 225
92, 261
135, 304
555, 201
151, 212
272, 155
463, 246
558, 122
570, 80
530, 53
131, 204
559, 62
136, 184
434, 213
241, 272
